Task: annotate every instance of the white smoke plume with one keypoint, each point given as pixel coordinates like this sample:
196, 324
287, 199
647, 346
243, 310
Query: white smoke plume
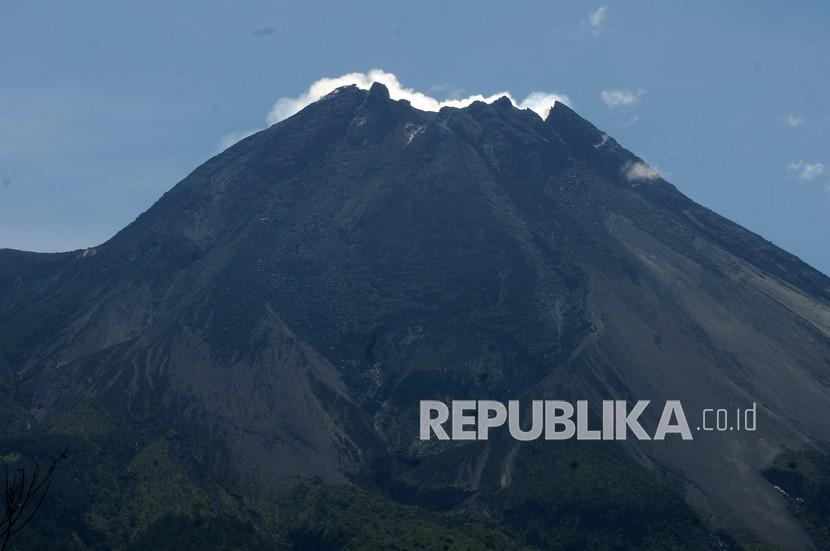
640, 171
538, 102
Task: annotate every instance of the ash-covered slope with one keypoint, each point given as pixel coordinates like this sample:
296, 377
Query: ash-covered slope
292, 299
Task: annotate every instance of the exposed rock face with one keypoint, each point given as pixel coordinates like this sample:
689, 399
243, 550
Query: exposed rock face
293, 299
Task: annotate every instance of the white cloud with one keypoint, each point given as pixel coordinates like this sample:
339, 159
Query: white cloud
804, 170
538, 102
597, 18
640, 171
621, 98
793, 120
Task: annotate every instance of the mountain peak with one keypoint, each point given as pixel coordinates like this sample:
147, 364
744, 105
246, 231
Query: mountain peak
504, 102
562, 115
562, 110
379, 91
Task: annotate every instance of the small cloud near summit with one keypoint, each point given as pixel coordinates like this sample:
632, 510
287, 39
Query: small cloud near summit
621, 98
804, 170
640, 171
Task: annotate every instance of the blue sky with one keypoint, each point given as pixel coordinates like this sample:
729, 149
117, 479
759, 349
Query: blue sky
105, 105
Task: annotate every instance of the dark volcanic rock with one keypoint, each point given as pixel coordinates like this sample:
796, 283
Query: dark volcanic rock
295, 296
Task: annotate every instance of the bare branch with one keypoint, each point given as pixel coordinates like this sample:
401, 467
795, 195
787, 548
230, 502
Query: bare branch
24, 495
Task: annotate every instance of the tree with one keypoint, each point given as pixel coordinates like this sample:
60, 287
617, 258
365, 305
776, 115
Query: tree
24, 492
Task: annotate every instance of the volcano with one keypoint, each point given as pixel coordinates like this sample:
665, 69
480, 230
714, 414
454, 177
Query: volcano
278, 315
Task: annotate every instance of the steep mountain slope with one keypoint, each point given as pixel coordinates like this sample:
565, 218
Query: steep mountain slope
283, 309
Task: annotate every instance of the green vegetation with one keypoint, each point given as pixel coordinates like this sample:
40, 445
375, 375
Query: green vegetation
804, 479
110, 489
222, 533
323, 517
116, 493
159, 487
86, 422
588, 495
